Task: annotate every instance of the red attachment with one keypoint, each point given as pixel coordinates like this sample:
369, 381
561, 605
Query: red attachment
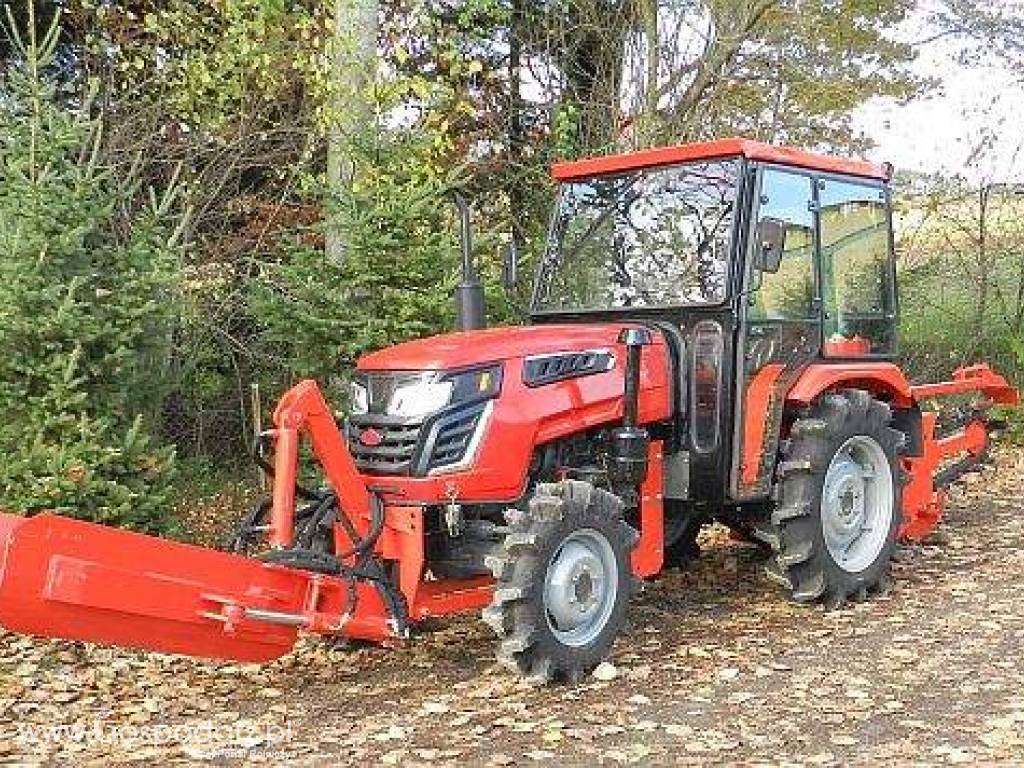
711, 150
923, 502
66, 578
303, 408
441, 598
649, 553
282, 511
80, 581
973, 378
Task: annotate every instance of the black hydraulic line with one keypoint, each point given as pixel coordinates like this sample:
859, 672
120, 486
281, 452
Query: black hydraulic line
257, 454
368, 568
238, 538
310, 518
324, 504
361, 546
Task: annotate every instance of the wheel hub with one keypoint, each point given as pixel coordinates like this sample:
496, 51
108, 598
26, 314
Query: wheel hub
583, 588
857, 503
580, 587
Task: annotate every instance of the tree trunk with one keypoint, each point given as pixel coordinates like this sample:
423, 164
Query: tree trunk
592, 67
647, 120
352, 102
516, 137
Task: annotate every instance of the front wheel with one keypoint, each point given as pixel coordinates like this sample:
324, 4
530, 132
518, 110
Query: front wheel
838, 500
562, 582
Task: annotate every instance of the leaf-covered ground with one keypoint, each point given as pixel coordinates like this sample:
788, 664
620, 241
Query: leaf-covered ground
716, 668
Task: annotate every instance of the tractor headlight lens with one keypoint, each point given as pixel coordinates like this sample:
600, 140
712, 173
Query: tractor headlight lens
419, 398
359, 397
416, 395
434, 391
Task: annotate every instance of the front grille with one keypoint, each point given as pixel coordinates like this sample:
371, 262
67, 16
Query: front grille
413, 447
450, 435
394, 453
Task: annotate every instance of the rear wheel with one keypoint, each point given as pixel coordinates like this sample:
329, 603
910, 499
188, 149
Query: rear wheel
838, 500
563, 582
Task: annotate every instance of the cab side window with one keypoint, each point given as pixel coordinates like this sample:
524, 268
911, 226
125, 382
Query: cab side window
856, 269
787, 293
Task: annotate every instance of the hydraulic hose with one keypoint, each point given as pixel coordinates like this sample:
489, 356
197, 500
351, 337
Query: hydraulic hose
323, 507
261, 462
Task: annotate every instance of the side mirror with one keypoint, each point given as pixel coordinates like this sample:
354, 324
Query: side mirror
510, 267
771, 240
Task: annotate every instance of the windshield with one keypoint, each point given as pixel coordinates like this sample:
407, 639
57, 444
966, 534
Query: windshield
644, 239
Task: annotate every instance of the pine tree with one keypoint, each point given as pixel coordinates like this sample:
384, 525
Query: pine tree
395, 281
86, 312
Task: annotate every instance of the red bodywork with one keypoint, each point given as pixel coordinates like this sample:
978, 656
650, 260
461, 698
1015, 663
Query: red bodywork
922, 501
71, 579
712, 150
522, 420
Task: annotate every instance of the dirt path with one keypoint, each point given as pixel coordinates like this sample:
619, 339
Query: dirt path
717, 668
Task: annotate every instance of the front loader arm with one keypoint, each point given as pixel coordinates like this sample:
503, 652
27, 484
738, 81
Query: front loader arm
303, 409
72, 579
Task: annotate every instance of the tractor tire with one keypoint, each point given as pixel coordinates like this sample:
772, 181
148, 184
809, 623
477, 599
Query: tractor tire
563, 582
681, 547
837, 500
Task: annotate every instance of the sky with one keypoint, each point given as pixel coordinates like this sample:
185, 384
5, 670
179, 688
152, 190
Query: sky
937, 132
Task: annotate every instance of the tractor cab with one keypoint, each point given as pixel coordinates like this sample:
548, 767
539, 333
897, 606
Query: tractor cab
752, 260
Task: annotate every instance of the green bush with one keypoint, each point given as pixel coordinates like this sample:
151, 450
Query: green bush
86, 316
393, 282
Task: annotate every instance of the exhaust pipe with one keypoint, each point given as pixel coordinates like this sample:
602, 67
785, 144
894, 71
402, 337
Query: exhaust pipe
469, 295
627, 465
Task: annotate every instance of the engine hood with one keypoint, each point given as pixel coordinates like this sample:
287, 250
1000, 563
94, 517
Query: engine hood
459, 350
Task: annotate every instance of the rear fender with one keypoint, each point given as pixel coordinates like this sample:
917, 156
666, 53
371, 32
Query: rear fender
884, 380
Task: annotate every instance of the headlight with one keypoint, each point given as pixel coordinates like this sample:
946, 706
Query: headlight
419, 398
359, 396
417, 395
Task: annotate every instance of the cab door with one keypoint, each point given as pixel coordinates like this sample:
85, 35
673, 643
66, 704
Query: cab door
858, 277
779, 322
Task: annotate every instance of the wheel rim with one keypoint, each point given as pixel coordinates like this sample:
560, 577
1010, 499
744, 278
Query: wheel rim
580, 587
857, 503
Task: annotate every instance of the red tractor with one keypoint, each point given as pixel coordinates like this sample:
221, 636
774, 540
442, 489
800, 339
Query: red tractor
712, 338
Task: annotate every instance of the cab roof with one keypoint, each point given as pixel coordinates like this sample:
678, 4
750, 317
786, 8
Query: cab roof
710, 150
